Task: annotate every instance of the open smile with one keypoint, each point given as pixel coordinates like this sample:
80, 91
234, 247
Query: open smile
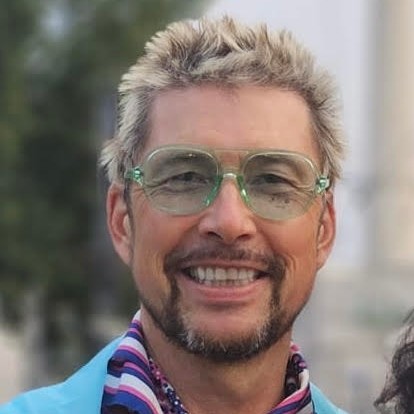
222, 276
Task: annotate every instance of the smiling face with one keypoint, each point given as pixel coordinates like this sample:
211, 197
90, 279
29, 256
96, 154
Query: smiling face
224, 283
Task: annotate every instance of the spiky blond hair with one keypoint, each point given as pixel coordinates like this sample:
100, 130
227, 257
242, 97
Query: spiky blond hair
227, 54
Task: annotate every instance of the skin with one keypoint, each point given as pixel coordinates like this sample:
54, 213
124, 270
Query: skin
247, 117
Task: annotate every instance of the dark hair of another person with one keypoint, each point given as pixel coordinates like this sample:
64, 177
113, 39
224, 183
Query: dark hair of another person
398, 391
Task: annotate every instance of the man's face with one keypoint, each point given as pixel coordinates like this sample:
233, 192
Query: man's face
278, 259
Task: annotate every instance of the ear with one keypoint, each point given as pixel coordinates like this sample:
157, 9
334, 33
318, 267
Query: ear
118, 222
326, 230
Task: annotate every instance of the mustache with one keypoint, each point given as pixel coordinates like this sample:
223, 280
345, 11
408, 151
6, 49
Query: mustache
272, 263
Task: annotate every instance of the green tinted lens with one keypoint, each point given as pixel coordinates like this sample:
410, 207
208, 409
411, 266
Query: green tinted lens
279, 185
179, 180
276, 185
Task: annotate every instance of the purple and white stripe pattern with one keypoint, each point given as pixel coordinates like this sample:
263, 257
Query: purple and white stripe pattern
129, 380
138, 386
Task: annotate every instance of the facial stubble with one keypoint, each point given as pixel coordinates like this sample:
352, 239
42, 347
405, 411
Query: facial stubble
173, 321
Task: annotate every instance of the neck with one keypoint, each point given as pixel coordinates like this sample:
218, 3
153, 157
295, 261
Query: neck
254, 386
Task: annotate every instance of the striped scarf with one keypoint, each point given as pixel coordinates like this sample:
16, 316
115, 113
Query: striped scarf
135, 382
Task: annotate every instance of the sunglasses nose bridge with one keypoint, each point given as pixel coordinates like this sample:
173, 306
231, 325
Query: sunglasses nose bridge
233, 175
230, 174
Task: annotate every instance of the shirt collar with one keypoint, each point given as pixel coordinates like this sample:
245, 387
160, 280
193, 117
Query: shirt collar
133, 381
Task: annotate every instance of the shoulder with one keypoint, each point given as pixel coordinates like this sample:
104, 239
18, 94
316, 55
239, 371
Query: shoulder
82, 392
322, 404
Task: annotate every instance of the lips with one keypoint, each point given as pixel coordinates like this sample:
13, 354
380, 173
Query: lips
220, 276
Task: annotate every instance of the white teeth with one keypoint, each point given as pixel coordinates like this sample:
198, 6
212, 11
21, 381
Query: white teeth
232, 273
219, 276
201, 274
209, 273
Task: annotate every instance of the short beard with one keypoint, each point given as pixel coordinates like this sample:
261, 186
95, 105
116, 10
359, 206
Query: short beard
171, 320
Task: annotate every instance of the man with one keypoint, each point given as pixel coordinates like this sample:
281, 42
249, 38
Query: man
221, 203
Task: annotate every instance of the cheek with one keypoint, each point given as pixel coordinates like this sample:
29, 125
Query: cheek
155, 235
297, 243
151, 243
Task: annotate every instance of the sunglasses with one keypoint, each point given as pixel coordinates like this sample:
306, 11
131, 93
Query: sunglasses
185, 180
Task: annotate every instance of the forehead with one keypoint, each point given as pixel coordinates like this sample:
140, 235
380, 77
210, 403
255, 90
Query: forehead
248, 117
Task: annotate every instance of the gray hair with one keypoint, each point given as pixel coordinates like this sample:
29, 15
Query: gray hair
227, 54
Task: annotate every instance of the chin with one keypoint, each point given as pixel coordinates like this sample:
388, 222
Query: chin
221, 345
227, 339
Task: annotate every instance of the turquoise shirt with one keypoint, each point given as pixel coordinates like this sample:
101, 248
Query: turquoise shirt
82, 392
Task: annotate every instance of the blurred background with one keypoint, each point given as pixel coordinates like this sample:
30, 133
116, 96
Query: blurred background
63, 294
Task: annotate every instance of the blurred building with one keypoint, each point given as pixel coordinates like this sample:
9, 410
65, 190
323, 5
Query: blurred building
11, 357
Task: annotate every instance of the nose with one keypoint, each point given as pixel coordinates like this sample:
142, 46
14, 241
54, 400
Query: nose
228, 218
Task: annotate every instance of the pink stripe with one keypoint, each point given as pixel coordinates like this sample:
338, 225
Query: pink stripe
133, 351
295, 397
135, 330
139, 395
136, 368
110, 390
136, 322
